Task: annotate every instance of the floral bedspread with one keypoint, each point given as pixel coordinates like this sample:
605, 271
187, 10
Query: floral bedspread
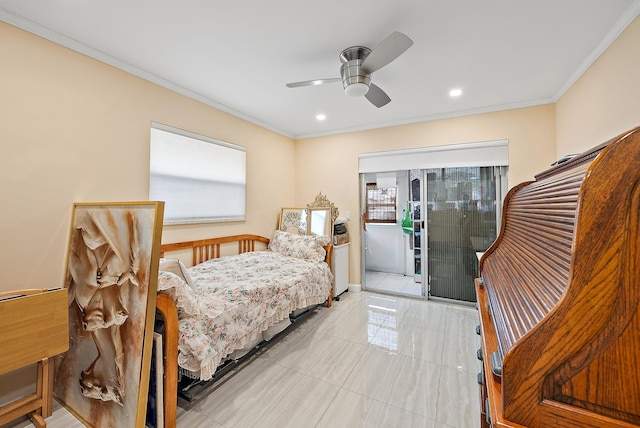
235, 298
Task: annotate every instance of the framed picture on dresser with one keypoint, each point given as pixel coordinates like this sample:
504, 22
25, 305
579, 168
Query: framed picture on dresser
111, 278
293, 220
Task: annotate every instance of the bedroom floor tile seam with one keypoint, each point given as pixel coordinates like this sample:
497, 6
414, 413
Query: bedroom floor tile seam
339, 394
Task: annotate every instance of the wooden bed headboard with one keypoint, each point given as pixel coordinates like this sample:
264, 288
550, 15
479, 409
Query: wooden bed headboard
206, 249
211, 248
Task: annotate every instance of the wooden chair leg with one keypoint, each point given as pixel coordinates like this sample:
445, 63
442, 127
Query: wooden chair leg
37, 420
44, 390
47, 387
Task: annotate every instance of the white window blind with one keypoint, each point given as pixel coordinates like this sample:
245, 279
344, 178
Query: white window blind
201, 179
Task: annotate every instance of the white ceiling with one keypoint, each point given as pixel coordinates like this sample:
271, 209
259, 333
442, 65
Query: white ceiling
238, 55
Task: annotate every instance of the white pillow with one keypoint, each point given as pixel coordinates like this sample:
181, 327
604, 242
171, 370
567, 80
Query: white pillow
182, 294
176, 267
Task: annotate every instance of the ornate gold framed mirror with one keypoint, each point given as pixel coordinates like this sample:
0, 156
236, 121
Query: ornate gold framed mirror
321, 216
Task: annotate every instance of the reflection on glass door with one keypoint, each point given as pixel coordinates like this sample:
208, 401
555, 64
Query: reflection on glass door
461, 213
415, 196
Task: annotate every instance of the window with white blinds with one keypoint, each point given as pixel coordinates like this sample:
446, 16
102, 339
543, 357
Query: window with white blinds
381, 204
200, 179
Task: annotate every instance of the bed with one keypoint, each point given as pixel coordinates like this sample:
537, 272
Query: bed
225, 302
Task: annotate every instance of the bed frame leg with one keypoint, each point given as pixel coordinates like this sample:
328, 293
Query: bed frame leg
167, 308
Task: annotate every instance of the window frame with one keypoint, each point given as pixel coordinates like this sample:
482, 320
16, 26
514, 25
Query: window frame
368, 204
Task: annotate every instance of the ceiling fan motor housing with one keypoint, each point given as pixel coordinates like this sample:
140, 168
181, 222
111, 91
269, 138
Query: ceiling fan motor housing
359, 63
354, 79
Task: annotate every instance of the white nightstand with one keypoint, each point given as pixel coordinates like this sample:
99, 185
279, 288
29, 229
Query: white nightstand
340, 269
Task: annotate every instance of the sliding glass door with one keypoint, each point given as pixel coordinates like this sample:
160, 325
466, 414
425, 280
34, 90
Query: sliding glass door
462, 213
447, 209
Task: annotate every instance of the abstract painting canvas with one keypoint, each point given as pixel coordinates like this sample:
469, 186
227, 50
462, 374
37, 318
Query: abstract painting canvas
112, 273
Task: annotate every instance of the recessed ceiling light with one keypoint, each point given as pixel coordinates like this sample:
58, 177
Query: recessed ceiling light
321, 116
455, 92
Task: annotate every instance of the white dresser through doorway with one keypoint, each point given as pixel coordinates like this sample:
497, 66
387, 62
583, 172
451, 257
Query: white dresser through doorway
340, 269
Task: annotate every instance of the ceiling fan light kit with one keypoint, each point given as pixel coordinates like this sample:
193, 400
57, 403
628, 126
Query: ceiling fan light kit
355, 80
356, 89
359, 62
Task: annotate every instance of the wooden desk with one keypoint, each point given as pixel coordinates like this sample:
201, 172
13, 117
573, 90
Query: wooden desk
559, 296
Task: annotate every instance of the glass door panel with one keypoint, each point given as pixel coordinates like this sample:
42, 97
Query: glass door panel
460, 221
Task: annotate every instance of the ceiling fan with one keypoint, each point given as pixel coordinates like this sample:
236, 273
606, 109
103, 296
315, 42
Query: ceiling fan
359, 62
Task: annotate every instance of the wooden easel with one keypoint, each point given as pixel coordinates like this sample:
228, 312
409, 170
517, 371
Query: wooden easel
34, 327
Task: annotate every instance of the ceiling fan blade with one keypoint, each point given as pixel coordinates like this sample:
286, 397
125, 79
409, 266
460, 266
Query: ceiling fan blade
377, 96
313, 82
388, 50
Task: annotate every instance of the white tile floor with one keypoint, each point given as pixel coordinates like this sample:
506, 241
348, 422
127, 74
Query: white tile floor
392, 283
369, 361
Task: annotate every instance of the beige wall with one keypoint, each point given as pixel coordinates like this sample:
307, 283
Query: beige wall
605, 101
77, 130
330, 164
